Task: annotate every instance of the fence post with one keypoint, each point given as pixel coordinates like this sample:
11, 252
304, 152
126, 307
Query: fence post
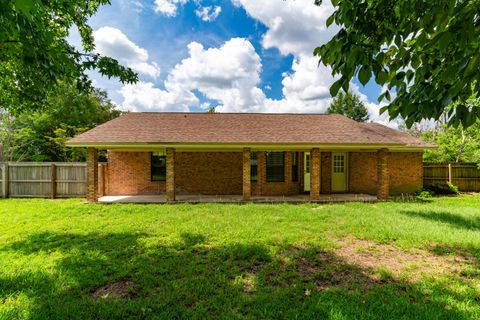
450, 173
5, 180
54, 180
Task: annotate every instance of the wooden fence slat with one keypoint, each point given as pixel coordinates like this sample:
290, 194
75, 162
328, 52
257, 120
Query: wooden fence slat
45, 180
53, 180
465, 176
5, 180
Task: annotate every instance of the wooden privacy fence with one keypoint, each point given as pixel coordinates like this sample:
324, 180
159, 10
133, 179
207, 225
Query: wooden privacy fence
466, 176
47, 180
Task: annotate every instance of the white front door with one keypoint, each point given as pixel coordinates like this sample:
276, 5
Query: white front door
306, 172
339, 172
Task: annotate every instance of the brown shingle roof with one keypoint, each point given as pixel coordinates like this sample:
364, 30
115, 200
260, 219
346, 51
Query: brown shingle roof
212, 128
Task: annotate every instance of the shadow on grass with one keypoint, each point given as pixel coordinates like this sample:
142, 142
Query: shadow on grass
196, 280
446, 217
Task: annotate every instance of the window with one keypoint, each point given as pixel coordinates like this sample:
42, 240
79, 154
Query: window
158, 168
307, 163
338, 163
253, 166
275, 166
294, 166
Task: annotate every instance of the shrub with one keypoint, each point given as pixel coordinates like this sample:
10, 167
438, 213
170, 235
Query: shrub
424, 193
446, 188
453, 188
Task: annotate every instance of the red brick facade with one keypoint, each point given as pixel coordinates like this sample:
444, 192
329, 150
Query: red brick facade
362, 171
326, 173
285, 188
246, 174
315, 183
129, 174
220, 173
405, 172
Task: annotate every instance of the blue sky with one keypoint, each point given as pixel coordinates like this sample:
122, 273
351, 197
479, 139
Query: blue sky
235, 55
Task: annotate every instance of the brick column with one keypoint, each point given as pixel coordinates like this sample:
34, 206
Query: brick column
261, 171
288, 171
315, 174
170, 183
383, 180
92, 175
301, 172
247, 187
326, 165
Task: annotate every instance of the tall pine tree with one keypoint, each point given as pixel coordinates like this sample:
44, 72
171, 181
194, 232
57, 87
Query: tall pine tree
349, 105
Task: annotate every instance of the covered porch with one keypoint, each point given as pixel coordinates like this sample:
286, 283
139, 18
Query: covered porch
310, 179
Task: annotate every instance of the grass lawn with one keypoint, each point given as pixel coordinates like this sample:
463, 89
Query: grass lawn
61, 259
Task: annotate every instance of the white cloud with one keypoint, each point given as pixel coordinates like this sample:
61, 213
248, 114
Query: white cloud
168, 7
143, 96
208, 13
297, 27
294, 26
228, 76
114, 43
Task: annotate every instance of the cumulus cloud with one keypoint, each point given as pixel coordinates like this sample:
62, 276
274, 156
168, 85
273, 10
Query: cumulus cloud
208, 13
114, 43
168, 7
144, 96
228, 74
294, 26
228, 77
297, 27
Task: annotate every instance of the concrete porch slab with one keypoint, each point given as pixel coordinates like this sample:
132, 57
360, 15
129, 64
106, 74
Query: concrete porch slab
301, 198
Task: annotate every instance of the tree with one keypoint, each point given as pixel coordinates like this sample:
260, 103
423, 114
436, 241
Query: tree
14, 140
349, 105
453, 144
35, 54
427, 52
67, 112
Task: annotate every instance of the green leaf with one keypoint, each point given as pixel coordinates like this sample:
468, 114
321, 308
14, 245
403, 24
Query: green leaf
25, 6
382, 77
387, 95
336, 87
445, 40
330, 20
364, 74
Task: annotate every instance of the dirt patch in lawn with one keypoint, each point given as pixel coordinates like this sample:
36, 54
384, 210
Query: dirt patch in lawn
412, 264
120, 289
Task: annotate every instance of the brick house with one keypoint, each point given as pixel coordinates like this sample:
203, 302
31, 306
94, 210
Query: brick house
250, 155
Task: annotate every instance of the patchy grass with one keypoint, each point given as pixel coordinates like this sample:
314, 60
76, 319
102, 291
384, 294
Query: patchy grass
61, 259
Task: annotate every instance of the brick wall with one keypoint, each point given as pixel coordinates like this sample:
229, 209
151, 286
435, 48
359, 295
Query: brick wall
208, 172
287, 187
195, 172
129, 173
362, 170
221, 173
405, 172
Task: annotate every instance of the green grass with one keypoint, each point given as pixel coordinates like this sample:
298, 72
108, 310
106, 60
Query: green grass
232, 261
